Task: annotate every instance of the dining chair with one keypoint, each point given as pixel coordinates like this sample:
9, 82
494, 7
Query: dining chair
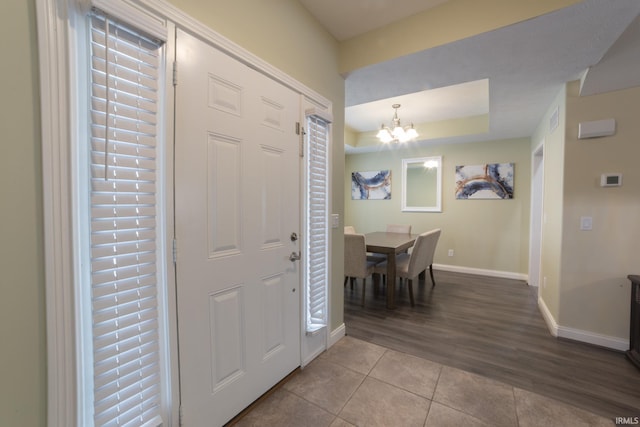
356, 265
349, 229
398, 228
410, 265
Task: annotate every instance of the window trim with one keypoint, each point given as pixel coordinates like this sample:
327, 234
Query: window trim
60, 50
53, 37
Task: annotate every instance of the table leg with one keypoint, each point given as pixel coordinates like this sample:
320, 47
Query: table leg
391, 280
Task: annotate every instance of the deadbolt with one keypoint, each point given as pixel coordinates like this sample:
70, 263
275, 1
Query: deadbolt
294, 237
294, 256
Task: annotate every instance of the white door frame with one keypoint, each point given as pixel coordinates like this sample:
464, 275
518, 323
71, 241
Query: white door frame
536, 216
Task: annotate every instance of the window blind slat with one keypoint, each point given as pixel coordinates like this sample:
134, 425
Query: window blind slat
125, 360
122, 124
125, 161
106, 251
107, 276
123, 285
106, 223
128, 392
110, 350
109, 236
124, 106
124, 199
317, 223
124, 140
120, 110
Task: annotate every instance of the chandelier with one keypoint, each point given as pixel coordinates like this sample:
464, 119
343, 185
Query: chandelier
396, 133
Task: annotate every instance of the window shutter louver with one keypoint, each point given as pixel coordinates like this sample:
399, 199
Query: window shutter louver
317, 227
125, 68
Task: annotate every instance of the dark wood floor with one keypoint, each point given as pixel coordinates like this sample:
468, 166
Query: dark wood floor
492, 327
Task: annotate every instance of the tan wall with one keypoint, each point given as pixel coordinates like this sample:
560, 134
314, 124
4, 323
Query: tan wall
280, 32
22, 329
595, 291
484, 234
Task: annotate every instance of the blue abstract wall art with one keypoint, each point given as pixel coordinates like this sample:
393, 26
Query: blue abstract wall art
374, 185
489, 181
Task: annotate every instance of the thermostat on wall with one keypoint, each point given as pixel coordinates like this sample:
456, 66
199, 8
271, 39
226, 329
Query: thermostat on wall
611, 180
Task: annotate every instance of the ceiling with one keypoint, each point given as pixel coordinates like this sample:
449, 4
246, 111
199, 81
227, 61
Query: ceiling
512, 73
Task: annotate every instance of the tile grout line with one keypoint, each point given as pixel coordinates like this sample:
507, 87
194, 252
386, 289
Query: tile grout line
361, 382
515, 405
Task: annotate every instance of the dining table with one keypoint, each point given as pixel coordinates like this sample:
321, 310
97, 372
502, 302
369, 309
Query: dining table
390, 244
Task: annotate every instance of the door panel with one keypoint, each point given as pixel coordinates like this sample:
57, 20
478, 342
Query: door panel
237, 202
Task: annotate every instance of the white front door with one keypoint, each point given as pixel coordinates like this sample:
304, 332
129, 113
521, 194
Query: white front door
237, 204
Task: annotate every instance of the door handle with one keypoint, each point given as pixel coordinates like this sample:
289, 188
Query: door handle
294, 256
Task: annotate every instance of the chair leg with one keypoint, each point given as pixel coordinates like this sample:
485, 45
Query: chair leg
431, 273
364, 287
410, 284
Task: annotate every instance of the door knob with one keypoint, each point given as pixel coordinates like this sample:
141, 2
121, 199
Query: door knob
294, 256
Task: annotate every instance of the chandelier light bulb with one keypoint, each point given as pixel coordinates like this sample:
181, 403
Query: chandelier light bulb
412, 133
396, 133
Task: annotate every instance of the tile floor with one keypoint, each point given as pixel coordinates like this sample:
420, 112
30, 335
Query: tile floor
356, 383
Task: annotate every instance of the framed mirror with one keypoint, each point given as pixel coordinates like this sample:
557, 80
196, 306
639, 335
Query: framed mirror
422, 184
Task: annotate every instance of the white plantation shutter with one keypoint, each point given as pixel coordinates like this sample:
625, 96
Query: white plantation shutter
123, 226
317, 226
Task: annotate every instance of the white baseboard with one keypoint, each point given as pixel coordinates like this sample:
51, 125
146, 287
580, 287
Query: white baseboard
552, 325
336, 335
593, 338
588, 337
482, 272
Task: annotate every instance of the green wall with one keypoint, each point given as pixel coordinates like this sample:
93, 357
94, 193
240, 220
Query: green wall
484, 234
22, 306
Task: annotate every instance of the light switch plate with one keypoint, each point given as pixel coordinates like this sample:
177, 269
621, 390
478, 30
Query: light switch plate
335, 220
